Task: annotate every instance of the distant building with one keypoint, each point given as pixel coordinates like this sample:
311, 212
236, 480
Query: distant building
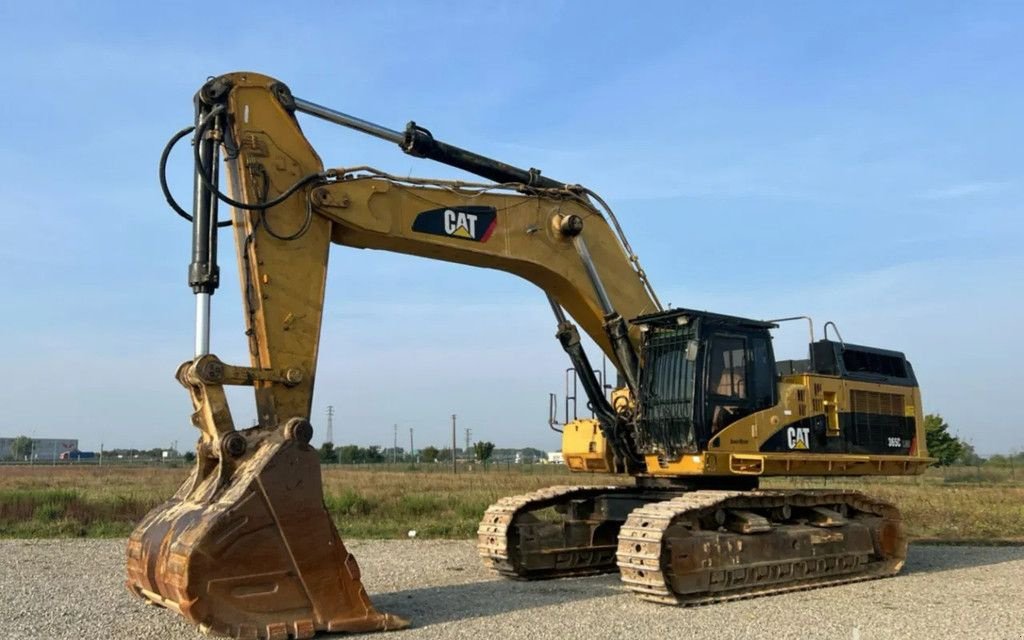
555, 457
42, 448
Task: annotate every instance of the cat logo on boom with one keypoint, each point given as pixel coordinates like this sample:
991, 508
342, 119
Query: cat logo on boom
474, 223
459, 223
798, 437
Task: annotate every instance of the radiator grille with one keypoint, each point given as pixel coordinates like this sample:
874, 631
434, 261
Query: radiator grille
875, 420
887, 404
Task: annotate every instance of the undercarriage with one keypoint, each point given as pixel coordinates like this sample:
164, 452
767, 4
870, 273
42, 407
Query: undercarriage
677, 546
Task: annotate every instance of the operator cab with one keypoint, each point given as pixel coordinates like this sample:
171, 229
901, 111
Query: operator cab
700, 372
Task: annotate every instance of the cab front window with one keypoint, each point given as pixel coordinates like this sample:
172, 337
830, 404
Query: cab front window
727, 374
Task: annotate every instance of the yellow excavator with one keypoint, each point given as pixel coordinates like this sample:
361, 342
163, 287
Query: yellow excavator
702, 410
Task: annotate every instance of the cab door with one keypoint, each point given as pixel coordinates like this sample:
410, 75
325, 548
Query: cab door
739, 377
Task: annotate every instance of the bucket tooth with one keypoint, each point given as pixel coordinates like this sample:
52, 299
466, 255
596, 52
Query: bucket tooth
246, 549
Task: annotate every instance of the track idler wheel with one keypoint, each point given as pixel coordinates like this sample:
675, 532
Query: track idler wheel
246, 548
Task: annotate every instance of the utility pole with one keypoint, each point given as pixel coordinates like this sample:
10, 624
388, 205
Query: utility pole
394, 447
455, 468
330, 424
411, 450
469, 432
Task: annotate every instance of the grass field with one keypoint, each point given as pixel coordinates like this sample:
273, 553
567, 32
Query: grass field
952, 505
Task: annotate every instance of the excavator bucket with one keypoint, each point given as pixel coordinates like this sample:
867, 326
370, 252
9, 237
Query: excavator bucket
246, 548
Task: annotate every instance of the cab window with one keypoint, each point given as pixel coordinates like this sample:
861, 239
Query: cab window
761, 385
726, 380
728, 367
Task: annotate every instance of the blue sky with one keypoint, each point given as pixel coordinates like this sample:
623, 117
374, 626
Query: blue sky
855, 162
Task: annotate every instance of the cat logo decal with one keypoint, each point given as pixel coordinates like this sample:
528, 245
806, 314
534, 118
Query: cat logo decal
473, 223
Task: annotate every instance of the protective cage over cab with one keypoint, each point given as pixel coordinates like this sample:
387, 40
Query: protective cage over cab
700, 372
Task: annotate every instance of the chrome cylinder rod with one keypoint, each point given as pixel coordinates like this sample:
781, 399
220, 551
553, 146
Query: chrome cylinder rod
557, 309
595, 280
202, 324
614, 326
346, 120
203, 272
419, 142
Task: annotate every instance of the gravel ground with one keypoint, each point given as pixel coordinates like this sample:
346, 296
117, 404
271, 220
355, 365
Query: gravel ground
62, 589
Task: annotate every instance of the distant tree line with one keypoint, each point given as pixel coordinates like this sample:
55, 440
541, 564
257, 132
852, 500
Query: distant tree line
351, 454
483, 451
947, 448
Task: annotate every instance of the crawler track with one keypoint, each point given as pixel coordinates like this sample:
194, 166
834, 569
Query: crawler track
668, 554
500, 539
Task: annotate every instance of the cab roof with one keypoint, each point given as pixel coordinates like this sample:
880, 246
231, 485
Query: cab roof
671, 316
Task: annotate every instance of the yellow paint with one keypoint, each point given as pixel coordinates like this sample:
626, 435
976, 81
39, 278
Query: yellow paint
739, 444
584, 447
